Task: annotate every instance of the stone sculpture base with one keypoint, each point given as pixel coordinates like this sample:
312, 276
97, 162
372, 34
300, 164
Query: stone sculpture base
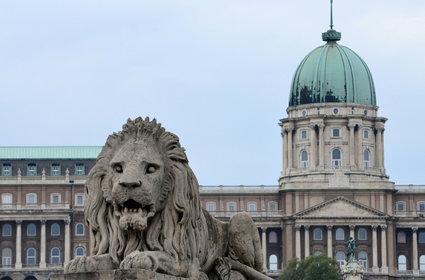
119, 274
353, 270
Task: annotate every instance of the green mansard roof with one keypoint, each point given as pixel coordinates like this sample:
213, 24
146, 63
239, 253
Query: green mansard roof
50, 152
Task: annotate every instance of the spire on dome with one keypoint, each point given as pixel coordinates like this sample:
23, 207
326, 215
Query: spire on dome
331, 36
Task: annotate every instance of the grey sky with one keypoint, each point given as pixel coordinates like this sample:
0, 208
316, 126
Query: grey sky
216, 73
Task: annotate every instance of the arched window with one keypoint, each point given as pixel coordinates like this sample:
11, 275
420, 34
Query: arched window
30, 278
80, 251
317, 234
303, 159
339, 234
79, 229
6, 278
317, 252
336, 158
366, 158
31, 230
6, 230
340, 258
422, 263
55, 255
362, 234
31, 256
55, 229
401, 237
421, 237
272, 237
6, 256
402, 263
273, 262
363, 259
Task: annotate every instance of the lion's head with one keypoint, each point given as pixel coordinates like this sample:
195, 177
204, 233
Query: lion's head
142, 195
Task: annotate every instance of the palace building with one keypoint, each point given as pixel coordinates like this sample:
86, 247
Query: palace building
333, 185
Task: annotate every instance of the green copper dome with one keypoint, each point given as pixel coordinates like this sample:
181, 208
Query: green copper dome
332, 73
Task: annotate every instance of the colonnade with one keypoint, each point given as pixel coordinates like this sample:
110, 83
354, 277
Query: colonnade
317, 145
43, 247
330, 240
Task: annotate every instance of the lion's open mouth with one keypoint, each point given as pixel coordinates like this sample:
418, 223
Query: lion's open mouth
134, 206
134, 215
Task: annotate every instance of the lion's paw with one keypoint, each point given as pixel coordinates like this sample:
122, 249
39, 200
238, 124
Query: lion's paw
93, 263
141, 260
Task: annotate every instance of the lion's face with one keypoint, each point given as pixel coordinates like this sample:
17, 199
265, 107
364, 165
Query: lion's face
137, 172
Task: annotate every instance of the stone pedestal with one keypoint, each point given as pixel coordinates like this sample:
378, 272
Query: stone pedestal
119, 274
353, 270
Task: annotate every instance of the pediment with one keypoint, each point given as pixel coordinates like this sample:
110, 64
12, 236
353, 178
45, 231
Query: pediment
340, 207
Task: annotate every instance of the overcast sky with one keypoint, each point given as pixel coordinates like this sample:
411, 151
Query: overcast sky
216, 73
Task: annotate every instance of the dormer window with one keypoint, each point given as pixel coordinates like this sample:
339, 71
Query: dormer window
32, 169
6, 169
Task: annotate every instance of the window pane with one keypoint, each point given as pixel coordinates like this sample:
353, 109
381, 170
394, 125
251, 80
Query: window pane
362, 234
32, 169
273, 262
211, 206
31, 230
7, 230
55, 230
80, 252
80, 169
339, 234
272, 237
6, 169
6, 198
252, 206
422, 237
401, 237
402, 263
79, 229
317, 234
55, 169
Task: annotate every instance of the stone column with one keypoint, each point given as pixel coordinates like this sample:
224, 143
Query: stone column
18, 263
67, 253
352, 233
290, 147
43, 244
313, 145
360, 163
284, 151
321, 145
378, 147
384, 268
297, 242
351, 128
415, 250
374, 250
306, 241
282, 227
391, 248
329, 244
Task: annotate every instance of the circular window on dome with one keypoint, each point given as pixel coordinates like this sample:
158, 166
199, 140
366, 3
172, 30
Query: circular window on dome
304, 113
335, 111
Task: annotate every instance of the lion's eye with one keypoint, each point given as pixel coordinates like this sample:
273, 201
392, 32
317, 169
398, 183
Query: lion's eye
118, 168
151, 168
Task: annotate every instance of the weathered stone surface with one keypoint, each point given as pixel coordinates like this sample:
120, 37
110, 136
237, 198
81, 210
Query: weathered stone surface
143, 211
119, 274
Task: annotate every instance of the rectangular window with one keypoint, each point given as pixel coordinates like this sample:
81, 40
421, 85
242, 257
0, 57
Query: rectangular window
6, 198
79, 199
421, 206
400, 206
80, 169
336, 133
273, 206
366, 134
6, 169
31, 198
231, 206
252, 206
55, 198
32, 169
211, 206
55, 169
304, 134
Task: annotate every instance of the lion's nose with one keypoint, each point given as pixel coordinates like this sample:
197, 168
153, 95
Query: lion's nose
131, 184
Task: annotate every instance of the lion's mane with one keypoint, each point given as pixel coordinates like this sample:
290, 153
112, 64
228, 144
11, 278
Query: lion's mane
175, 229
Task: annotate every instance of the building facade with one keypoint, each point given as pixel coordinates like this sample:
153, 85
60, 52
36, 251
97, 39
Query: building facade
333, 185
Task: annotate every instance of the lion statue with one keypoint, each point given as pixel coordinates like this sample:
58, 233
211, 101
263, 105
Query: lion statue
144, 212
